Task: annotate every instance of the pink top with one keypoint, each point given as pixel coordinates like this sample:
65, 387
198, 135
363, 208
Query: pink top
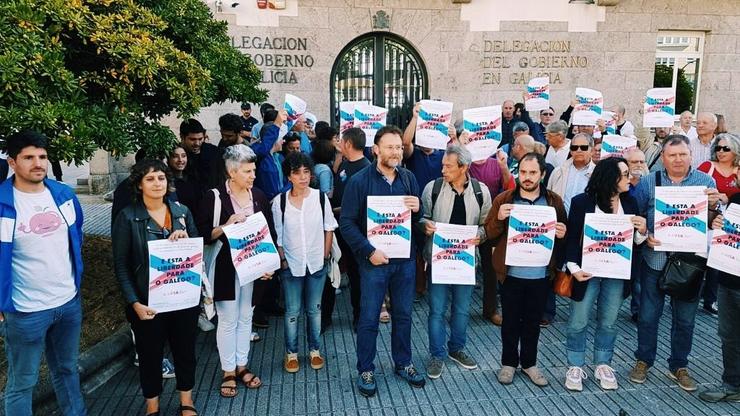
238, 209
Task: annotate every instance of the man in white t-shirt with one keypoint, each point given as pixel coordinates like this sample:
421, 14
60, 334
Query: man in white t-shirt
685, 128
40, 273
557, 150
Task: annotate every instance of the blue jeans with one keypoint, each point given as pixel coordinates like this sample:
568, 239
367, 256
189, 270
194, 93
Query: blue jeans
302, 291
400, 279
439, 301
636, 272
607, 294
651, 308
56, 332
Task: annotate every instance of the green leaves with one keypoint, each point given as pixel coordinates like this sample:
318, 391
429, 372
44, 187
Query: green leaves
101, 74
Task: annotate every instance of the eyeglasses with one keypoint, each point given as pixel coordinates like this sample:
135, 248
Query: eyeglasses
626, 174
722, 149
581, 147
547, 114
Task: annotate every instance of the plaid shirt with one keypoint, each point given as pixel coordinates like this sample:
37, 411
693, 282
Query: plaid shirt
645, 195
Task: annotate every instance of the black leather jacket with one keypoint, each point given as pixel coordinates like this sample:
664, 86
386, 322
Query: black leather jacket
132, 228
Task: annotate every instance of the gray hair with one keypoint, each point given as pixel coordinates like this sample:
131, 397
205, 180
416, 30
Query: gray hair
464, 158
520, 126
558, 127
711, 116
620, 109
237, 154
589, 138
733, 142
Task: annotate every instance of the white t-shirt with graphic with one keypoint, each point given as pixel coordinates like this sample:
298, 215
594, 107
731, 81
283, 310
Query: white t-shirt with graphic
41, 265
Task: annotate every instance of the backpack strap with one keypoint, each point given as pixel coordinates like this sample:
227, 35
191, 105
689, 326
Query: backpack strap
322, 203
657, 178
282, 207
436, 188
478, 192
216, 207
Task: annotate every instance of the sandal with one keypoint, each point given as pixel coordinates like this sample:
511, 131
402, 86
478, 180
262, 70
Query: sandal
253, 382
231, 390
187, 409
385, 317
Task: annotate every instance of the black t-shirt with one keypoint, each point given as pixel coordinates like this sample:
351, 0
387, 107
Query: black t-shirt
208, 166
345, 171
248, 123
458, 215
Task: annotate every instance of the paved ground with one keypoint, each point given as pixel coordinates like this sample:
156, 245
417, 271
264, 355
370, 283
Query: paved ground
331, 391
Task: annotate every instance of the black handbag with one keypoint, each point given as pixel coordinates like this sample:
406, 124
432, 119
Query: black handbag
682, 276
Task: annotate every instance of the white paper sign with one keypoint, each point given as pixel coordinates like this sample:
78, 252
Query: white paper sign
370, 119
252, 249
175, 272
607, 245
609, 122
295, 107
680, 218
613, 145
347, 115
389, 226
531, 235
588, 110
432, 126
483, 125
724, 251
453, 254
659, 108
537, 96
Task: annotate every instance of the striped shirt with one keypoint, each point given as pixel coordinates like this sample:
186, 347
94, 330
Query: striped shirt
700, 152
645, 195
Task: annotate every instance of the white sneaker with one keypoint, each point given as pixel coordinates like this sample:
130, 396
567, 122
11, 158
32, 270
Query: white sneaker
574, 379
606, 377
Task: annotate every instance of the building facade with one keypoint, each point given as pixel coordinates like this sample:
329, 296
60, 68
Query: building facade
481, 52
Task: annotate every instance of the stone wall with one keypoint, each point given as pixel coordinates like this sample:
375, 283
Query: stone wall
474, 68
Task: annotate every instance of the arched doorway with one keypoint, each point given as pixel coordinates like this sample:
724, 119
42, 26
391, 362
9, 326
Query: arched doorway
401, 82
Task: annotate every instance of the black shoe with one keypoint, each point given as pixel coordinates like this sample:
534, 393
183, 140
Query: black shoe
711, 309
274, 311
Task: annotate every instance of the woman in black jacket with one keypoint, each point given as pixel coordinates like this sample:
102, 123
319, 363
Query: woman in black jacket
606, 193
152, 217
238, 199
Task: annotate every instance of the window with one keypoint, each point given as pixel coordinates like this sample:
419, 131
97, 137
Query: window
678, 65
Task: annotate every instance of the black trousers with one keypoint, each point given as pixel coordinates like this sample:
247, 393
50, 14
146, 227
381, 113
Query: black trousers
490, 283
522, 304
179, 329
353, 273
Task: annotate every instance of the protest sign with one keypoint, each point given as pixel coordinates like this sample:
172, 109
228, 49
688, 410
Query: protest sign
680, 218
175, 272
483, 125
537, 96
433, 124
370, 119
453, 254
589, 107
531, 235
252, 250
607, 245
659, 108
389, 225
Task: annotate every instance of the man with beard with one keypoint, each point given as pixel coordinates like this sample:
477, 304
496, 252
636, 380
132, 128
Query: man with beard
525, 289
379, 273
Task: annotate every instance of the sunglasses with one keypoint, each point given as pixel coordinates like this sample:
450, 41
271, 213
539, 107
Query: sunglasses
548, 114
722, 149
581, 147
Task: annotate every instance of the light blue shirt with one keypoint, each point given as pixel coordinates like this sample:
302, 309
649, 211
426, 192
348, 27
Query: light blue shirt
577, 181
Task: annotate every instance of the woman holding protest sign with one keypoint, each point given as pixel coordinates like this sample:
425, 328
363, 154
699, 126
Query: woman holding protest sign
152, 216
606, 193
304, 225
230, 203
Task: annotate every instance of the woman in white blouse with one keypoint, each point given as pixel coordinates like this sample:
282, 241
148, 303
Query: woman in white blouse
304, 228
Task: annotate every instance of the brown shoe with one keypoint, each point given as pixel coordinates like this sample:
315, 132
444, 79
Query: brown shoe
317, 361
496, 319
683, 379
536, 376
291, 364
639, 372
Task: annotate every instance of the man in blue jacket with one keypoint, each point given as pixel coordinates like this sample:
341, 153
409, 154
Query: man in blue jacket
40, 220
380, 274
